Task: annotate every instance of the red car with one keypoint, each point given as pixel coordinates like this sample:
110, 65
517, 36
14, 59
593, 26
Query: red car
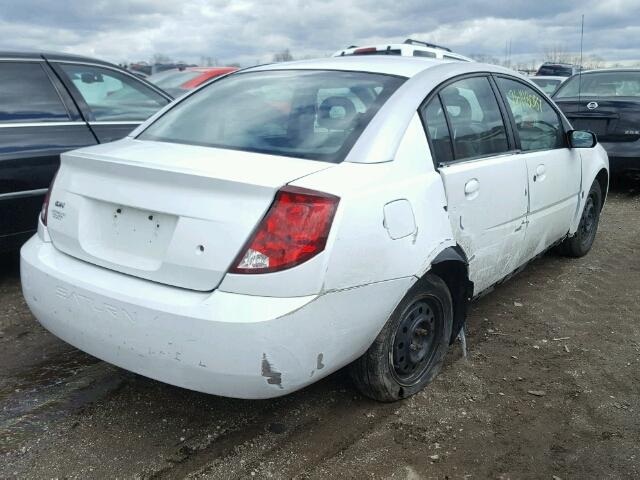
177, 82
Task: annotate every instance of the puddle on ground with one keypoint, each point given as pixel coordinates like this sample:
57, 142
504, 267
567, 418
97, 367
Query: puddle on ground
51, 391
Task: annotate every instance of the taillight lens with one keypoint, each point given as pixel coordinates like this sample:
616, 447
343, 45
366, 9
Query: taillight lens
45, 205
294, 230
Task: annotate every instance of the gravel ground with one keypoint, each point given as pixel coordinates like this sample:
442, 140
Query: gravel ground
550, 389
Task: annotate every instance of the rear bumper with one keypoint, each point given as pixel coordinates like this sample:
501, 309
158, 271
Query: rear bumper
623, 156
221, 343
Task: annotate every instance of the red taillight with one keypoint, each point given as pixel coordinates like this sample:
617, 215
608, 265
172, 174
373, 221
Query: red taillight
45, 205
294, 230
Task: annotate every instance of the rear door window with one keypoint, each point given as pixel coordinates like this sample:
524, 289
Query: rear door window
538, 125
27, 95
113, 96
438, 131
477, 127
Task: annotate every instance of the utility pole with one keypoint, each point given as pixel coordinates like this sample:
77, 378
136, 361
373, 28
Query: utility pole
580, 66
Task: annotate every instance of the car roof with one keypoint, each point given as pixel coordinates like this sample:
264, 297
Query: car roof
384, 64
54, 56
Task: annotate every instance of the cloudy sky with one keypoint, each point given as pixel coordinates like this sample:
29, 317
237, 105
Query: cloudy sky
251, 31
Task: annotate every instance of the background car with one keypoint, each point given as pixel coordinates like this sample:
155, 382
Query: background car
548, 84
607, 102
177, 82
281, 223
551, 69
51, 103
410, 48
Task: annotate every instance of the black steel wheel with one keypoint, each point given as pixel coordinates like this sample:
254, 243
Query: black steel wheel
409, 351
589, 221
579, 244
415, 342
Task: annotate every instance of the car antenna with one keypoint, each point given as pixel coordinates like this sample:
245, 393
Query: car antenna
580, 72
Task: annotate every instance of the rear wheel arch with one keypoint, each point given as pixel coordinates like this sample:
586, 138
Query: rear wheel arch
452, 266
409, 351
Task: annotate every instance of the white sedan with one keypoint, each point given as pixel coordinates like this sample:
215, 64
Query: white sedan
291, 219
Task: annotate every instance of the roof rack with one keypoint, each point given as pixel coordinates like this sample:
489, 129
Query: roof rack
411, 41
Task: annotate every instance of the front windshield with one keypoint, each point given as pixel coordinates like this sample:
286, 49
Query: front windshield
297, 113
112, 95
601, 84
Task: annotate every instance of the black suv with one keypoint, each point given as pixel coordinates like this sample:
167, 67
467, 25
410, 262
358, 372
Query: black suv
607, 102
51, 103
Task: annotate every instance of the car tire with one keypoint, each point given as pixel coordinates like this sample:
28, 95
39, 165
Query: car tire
409, 351
579, 244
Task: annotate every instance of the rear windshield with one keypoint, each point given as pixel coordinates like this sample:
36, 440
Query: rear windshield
555, 71
174, 79
601, 84
297, 113
548, 86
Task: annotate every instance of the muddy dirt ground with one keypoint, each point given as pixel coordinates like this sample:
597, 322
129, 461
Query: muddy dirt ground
551, 388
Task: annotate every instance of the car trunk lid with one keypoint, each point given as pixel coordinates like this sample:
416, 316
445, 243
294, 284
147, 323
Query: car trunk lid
174, 214
612, 120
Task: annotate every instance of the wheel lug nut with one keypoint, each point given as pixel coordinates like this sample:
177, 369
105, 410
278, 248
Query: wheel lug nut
421, 332
413, 347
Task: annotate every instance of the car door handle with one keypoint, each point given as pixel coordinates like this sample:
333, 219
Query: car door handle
471, 188
541, 172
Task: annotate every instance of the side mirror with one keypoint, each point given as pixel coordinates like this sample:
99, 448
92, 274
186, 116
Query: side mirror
582, 139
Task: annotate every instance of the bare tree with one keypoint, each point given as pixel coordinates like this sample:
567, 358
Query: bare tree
160, 58
483, 58
593, 62
283, 56
557, 54
206, 61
